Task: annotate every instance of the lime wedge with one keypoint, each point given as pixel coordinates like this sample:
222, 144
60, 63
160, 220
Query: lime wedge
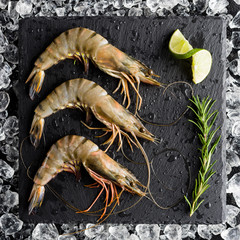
201, 58
179, 45
201, 65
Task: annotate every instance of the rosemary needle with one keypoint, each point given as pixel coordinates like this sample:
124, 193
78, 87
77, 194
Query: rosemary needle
204, 121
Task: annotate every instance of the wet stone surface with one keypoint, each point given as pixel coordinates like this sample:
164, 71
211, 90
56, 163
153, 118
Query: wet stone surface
10, 14
148, 42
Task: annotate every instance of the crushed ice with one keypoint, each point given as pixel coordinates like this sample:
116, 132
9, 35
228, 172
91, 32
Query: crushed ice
11, 12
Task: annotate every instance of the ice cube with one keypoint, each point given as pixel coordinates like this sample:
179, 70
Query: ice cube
163, 237
232, 100
11, 54
135, 12
233, 186
117, 4
1, 59
231, 213
216, 229
66, 237
100, 6
104, 235
235, 38
69, 228
6, 171
215, 7
228, 47
11, 126
10, 199
92, 12
153, 5
10, 224
94, 231
5, 69
24, 7
4, 18
235, 145
120, 12
200, 5
162, 12
233, 114
12, 153
3, 42
3, 115
4, 81
13, 14
234, 183
188, 230
3, 4
148, 231
5, 188
181, 10
204, 231
234, 66
173, 232
131, 3
119, 232
81, 7
232, 85
236, 129
231, 233
44, 231
235, 23
133, 237
236, 196
60, 11
233, 159
228, 168
4, 100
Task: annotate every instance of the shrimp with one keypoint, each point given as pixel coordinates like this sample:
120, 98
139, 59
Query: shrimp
68, 154
85, 94
84, 44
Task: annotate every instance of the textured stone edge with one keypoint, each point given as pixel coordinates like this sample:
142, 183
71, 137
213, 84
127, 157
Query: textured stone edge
224, 176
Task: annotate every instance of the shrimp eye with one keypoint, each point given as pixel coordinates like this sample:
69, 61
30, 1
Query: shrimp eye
150, 72
142, 130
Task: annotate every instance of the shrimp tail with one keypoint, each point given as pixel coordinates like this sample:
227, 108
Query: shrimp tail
36, 130
36, 197
36, 84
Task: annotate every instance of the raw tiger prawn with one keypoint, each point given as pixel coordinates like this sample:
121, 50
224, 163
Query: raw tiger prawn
84, 94
68, 154
85, 44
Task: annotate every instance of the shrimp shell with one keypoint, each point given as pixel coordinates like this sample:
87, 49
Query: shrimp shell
84, 94
68, 154
84, 44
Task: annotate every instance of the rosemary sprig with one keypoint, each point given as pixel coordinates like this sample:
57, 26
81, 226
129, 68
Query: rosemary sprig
204, 121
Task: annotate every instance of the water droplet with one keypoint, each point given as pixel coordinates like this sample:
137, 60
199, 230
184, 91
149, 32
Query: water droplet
208, 205
172, 158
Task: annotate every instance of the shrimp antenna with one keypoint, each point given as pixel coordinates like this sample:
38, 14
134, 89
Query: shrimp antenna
181, 115
109, 214
189, 174
21, 157
164, 124
129, 159
147, 187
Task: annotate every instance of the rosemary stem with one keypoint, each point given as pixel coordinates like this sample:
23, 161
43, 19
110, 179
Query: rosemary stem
203, 115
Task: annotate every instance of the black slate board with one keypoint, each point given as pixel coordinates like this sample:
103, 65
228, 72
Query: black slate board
146, 40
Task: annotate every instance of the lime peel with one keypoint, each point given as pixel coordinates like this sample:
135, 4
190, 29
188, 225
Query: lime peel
201, 58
